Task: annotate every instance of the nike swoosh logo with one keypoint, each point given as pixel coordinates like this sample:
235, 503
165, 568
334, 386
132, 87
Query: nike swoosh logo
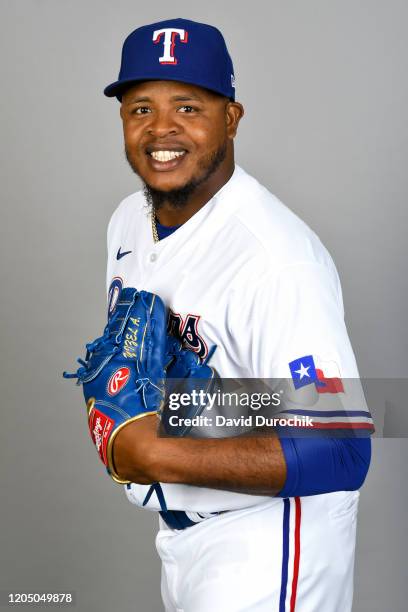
119, 255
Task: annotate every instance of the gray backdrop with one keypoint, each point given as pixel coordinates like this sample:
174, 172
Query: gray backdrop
325, 91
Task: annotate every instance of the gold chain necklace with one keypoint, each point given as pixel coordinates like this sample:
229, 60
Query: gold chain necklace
154, 227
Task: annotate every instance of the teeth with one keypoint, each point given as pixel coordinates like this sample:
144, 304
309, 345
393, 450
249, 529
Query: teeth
164, 156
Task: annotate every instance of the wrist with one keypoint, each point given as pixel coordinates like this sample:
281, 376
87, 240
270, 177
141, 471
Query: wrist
135, 452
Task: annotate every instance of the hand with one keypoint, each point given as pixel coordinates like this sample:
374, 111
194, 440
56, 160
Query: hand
135, 450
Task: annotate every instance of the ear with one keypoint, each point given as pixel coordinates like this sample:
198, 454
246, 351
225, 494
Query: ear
234, 112
121, 111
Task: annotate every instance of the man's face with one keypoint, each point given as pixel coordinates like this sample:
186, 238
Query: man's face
176, 134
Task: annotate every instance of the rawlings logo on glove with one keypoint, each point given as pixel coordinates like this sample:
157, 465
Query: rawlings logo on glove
100, 428
118, 380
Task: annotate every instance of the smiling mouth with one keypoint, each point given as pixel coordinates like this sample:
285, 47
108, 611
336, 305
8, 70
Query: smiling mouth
166, 156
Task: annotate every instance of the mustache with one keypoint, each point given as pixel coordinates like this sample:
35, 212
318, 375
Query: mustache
178, 198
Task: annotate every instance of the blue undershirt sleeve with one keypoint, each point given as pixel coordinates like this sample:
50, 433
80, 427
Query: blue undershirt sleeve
324, 465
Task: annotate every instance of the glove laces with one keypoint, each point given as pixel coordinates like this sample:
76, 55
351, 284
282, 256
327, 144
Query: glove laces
106, 345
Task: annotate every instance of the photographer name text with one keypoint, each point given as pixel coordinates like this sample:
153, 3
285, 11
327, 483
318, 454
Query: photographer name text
253, 420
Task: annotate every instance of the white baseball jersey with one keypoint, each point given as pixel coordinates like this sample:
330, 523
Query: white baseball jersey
244, 274
247, 275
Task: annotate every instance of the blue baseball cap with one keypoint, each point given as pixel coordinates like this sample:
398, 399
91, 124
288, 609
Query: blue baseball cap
176, 50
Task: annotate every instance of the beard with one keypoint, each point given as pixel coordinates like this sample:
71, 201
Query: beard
179, 197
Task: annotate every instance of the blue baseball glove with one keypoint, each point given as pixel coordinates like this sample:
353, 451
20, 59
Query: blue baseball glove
123, 371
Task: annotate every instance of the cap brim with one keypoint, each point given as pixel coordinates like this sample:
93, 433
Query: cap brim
119, 87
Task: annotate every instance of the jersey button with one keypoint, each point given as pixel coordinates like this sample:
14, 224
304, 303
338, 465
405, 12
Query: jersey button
153, 257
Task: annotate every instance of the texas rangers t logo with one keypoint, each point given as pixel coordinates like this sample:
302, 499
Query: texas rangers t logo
169, 43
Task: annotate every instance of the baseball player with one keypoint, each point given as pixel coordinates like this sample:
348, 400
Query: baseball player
246, 523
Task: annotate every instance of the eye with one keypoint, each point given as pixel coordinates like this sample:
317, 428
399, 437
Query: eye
186, 109
141, 110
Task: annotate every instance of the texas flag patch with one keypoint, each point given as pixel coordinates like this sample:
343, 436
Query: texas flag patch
304, 372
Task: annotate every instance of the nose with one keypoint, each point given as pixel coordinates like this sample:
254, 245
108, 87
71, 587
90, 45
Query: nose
162, 124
